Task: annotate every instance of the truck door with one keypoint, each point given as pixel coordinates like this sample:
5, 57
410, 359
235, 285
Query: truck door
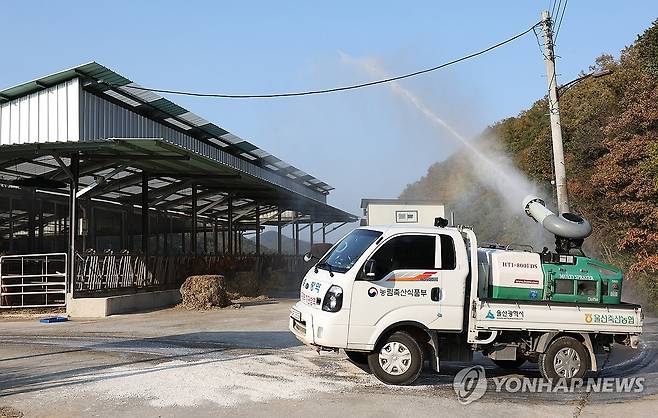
416, 279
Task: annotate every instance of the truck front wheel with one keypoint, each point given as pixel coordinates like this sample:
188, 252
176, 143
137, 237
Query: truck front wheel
566, 357
398, 361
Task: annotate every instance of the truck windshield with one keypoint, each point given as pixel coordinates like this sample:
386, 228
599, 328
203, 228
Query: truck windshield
343, 256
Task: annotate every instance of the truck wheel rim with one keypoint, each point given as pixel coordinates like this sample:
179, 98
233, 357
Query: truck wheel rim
395, 358
567, 363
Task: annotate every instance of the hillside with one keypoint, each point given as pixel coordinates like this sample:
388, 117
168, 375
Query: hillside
268, 240
610, 129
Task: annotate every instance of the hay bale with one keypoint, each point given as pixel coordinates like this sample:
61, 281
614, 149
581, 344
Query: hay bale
245, 283
204, 292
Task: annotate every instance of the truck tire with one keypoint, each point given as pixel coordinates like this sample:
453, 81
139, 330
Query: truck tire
566, 357
357, 357
398, 361
510, 364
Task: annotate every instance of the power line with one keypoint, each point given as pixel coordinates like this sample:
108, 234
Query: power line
539, 44
556, 11
337, 89
557, 31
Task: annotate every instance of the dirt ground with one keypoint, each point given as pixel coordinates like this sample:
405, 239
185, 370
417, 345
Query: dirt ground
244, 362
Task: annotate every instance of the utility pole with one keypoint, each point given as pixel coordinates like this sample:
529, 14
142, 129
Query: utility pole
554, 111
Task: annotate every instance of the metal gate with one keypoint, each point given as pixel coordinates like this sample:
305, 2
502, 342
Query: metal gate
33, 280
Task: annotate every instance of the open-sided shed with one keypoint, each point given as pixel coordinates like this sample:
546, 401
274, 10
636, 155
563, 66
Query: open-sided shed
89, 161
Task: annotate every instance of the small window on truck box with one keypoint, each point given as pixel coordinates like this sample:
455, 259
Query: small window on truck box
564, 286
587, 288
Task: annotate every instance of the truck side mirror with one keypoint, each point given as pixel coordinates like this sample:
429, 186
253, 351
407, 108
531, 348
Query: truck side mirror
369, 269
308, 257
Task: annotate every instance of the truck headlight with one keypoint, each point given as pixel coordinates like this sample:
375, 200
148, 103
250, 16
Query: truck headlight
333, 300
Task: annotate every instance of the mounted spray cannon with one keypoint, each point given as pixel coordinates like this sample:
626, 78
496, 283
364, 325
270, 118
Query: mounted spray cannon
570, 229
557, 276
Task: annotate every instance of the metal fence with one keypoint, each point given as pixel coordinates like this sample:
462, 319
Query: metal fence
100, 274
33, 280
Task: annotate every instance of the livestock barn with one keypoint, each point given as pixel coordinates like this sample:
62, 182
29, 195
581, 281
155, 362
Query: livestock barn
107, 189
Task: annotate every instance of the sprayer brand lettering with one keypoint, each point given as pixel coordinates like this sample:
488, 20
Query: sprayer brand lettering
520, 265
576, 276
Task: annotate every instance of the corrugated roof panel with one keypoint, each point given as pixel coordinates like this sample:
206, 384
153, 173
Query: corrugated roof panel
218, 142
282, 164
143, 95
214, 130
121, 97
245, 146
248, 156
193, 119
230, 138
168, 107
260, 153
134, 97
178, 123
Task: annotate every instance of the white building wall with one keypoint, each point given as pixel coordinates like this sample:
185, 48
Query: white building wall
407, 214
52, 114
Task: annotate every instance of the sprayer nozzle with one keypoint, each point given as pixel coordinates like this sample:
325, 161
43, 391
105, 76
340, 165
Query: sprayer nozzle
567, 225
530, 199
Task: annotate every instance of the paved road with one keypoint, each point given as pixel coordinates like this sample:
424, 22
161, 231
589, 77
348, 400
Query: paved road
245, 363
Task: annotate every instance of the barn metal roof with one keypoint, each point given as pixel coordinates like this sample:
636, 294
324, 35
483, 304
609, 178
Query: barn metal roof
116, 166
103, 81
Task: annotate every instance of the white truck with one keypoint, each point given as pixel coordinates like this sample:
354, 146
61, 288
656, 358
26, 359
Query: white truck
396, 296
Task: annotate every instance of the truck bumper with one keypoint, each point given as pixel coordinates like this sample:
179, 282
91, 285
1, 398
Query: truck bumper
317, 328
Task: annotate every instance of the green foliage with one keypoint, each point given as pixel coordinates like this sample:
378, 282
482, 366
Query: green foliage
647, 46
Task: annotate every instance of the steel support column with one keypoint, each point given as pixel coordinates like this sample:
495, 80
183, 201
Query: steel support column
11, 224
124, 226
278, 232
215, 237
74, 169
145, 214
223, 241
194, 220
311, 231
167, 231
257, 229
324, 233
296, 228
230, 224
31, 224
41, 227
205, 238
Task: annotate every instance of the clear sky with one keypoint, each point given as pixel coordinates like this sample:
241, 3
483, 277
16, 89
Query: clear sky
366, 143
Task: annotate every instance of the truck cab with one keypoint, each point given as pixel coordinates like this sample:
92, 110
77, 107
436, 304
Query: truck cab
385, 276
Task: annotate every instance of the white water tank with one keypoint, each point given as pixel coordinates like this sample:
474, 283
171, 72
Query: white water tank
509, 274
